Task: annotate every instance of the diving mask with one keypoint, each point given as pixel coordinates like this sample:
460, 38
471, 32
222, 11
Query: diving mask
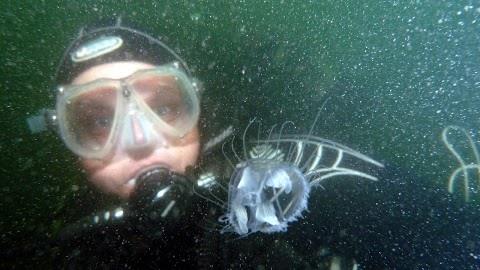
149, 107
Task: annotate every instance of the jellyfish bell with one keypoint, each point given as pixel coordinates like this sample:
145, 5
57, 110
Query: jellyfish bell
265, 195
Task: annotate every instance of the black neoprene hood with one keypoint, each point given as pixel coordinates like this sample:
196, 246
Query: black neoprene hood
113, 44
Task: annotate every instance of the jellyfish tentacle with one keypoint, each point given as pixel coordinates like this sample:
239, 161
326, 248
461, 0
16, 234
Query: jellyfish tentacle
245, 156
327, 144
226, 156
460, 160
233, 150
337, 172
311, 165
318, 116
281, 131
316, 159
289, 205
299, 153
339, 158
218, 203
463, 167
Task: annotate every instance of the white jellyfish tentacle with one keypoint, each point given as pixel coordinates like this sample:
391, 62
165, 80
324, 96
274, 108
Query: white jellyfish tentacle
258, 132
270, 132
338, 172
291, 153
310, 166
279, 182
281, 131
464, 167
245, 156
299, 139
218, 203
460, 160
225, 155
310, 132
289, 205
318, 157
233, 150
339, 158
298, 152
313, 160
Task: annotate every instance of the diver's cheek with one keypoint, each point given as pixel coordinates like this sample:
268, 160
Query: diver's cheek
92, 168
106, 177
187, 152
182, 157
109, 181
191, 153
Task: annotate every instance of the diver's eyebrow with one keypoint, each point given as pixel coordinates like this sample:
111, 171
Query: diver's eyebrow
96, 105
98, 99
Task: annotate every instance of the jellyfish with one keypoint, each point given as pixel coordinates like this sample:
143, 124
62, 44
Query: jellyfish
270, 186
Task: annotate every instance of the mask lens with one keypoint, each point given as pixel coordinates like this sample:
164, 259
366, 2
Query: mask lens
168, 97
90, 117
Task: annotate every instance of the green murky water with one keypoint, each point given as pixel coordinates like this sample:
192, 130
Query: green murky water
396, 73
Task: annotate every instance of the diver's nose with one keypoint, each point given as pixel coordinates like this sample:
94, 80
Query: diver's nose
139, 136
139, 133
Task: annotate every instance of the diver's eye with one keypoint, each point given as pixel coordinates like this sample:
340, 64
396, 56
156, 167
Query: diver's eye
97, 127
94, 125
163, 110
167, 113
101, 123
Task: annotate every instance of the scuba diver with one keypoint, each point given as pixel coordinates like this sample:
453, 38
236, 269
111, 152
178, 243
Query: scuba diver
129, 107
125, 103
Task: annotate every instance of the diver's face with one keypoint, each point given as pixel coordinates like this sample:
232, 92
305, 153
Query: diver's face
114, 174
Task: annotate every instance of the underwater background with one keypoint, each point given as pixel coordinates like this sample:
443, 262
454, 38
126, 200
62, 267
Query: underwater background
395, 73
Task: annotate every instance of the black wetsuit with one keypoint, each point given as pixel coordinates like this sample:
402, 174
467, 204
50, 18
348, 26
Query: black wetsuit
397, 222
